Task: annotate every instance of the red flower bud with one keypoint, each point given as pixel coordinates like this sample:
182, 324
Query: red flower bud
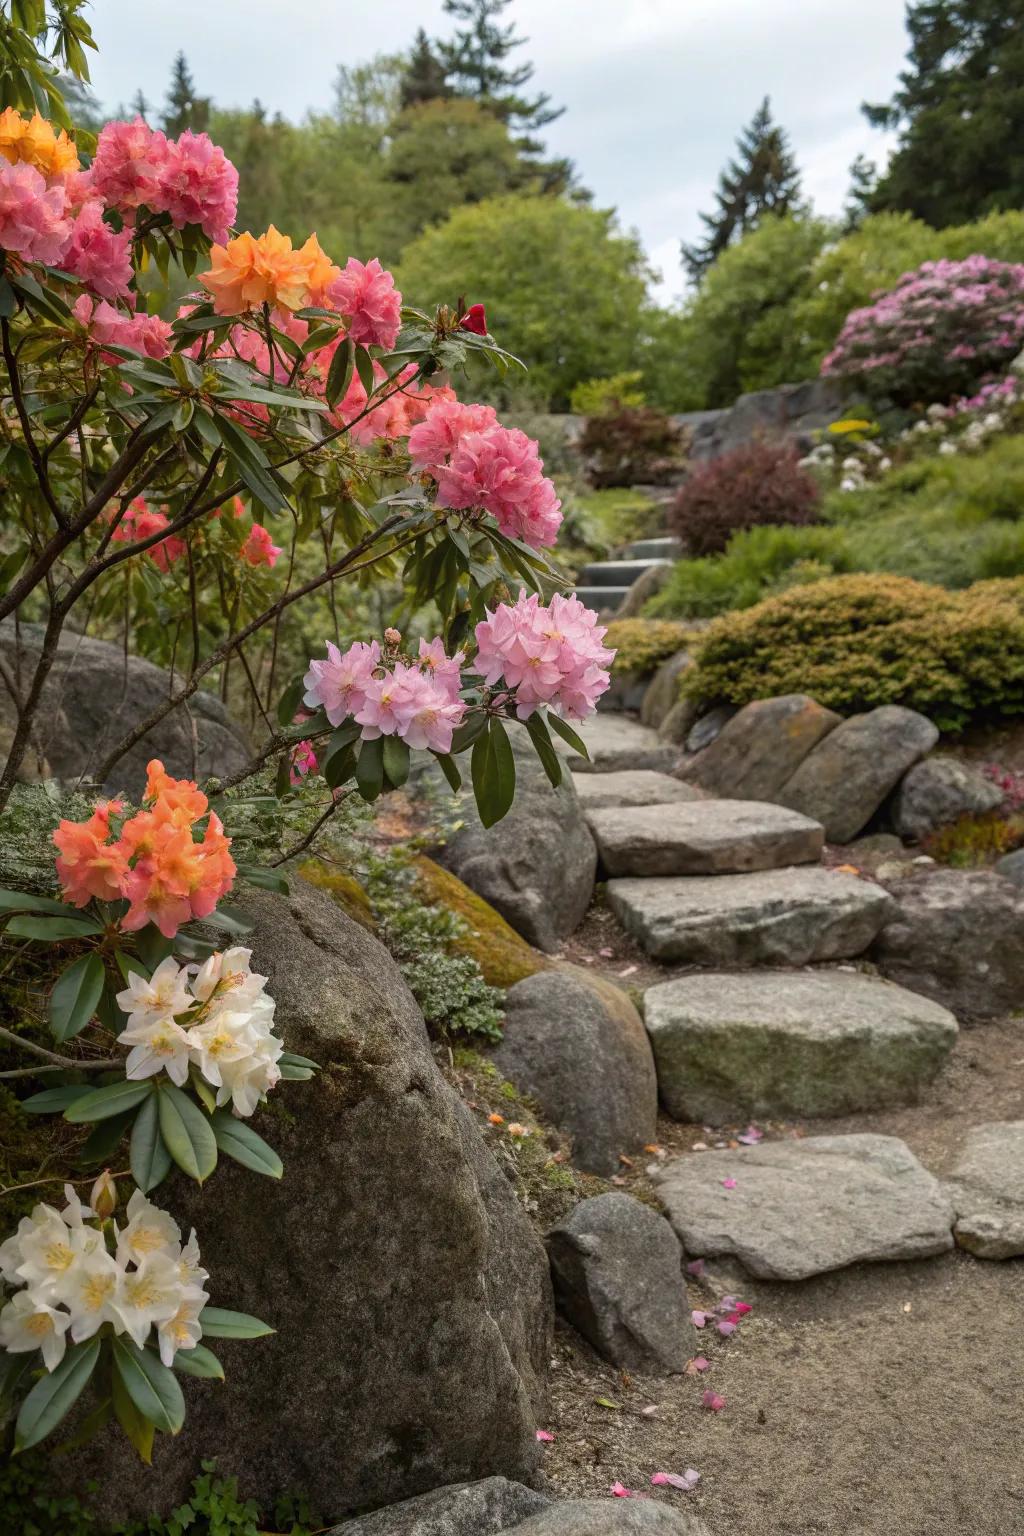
475, 319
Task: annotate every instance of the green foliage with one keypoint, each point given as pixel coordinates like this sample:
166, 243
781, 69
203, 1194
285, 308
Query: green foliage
737, 332
598, 397
756, 562
959, 110
37, 41
213, 1508
972, 841
563, 288
641, 645
762, 180
755, 484
854, 642
503, 957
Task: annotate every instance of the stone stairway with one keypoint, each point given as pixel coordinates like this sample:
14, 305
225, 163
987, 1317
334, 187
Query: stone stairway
604, 584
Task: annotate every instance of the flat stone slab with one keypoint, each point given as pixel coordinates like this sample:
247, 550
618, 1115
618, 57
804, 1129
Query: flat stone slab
987, 1190
612, 1517
802, 1208
709, 837
618, 741
631, 786
791, 1043
770, 917
461, 1509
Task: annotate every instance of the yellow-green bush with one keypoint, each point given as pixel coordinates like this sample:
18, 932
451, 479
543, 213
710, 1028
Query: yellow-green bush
854, 642
641, 645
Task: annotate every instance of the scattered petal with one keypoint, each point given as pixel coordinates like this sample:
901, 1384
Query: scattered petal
627, 1162
684, 1481
699, 1146
728, 1183
725, 1328
629, 971
649, 1411
606, 954
617, 1178
652, 1147
605, 1402
496, 1119
751, 1136
698, 1319
545, 1435
515, 1129
696, 1365
712, 1401
695, 1268
620, 1492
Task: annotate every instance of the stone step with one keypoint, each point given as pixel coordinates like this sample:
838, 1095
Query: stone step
771, 917
791, 1209
728, 1046
604, 599
616, 573
631, 786
616, 742
986, 1186
666, 548
707, 837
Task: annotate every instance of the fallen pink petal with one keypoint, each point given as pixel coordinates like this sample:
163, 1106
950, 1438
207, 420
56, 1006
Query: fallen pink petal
622, 1492
698, 1319
695, 1268
751, 1136
728, 1183
545, 1435
725, 1328
712, 1401
684, 1481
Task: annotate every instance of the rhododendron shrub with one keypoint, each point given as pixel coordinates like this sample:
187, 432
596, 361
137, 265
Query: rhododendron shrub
198, 482
940, 332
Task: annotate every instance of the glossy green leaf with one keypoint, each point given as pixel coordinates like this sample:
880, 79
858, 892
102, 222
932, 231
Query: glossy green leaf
149, 1159
541, 738
151, 1385
76, 995
238, 1140
103, 1141
24, 901
450, 769
54, 1100
102, 1103
261, 875
54, 1394
219, 1323
567, 733
136, 1426
187, 1133
396, 760
199, 1361
364, 368
52, 930
340, 372
493, 770
290, 701
370, 768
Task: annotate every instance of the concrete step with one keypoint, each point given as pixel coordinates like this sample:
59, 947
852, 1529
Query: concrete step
616, 573
616, 742
604, 599
666, 548
707, 837
772, 917
789, 1044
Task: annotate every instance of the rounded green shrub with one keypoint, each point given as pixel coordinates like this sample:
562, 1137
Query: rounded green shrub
641, 645
854, 642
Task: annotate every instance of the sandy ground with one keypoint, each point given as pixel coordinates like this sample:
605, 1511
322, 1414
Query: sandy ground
883, 1400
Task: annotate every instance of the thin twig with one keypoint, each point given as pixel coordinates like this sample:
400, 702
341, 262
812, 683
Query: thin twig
299, 847
64, 1062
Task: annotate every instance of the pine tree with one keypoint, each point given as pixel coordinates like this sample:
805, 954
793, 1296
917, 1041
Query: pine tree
863, 183
140, 106
425, 78
959, 111
184, 108
477, 60
763, 178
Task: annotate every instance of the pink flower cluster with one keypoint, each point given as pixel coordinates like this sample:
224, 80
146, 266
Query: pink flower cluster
108, 326
418, 702
480, 465
140, 521
940, 330
549, 655
189, 178
371, 304
33, 215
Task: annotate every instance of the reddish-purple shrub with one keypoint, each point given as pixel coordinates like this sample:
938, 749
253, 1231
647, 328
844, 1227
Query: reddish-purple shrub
761, 482
937, 334
631, 445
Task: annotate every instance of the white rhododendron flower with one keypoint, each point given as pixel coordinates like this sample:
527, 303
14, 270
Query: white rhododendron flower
215, 1017
72, 1283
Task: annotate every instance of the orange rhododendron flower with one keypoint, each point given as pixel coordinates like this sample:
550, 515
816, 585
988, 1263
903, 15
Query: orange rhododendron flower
88, 865
180, 796
37, 143
250, 271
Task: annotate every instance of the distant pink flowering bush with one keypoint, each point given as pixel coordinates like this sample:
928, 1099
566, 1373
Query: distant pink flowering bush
366, 295
500, 471
938, 333
547, 654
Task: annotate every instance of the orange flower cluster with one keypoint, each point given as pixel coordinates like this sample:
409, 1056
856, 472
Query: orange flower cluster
34, 141
250, 271
155, 864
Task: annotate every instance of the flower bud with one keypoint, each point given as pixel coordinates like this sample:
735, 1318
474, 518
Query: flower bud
103, 1198
393, 636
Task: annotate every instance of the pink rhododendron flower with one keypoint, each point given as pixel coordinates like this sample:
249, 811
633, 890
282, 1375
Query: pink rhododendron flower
303, 761
548, 654
475, 319
128, 165
445, 669
435, 438
33, 224
259, 548
370, 302
108, 326
99, 255
500, 471
140, 521
197, 184
89, 865
341, 683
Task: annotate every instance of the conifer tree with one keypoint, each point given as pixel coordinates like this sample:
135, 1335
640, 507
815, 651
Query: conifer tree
425, 78
184, 109
762, 178
478, 60
959, 111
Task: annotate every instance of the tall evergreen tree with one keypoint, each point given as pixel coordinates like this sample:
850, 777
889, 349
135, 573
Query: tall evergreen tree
863, 183
762, 178
184, 109
478, 61
425, 78
959, 111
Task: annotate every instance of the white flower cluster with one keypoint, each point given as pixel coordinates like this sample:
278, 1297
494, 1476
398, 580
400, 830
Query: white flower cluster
854, 469
72, 1283
216, 1017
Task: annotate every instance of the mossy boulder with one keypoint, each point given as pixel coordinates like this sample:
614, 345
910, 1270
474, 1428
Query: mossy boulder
503, 957
342, 888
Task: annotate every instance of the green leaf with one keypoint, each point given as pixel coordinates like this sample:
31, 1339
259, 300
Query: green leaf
149, 1159
230, 920
466, 734
493, 770
54, 1394
252, 465
52, 1100
152, 947
289, 1058
75, 995
396, 760
187, 1133
290, 701
541, 738
290, 1074
340, 372
136, 1426
219, 1323
199, 1361
52, 930
104, 1139
103, 1103
267, 879
370, 768
567, 733
238, 1140
24, 901
339, 767
450, 769
364, 368
152, 1387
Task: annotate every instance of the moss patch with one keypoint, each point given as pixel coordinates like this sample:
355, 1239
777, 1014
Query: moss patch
503, 957
344, 889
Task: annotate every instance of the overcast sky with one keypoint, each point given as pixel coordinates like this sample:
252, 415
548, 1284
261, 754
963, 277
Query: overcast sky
655, 90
